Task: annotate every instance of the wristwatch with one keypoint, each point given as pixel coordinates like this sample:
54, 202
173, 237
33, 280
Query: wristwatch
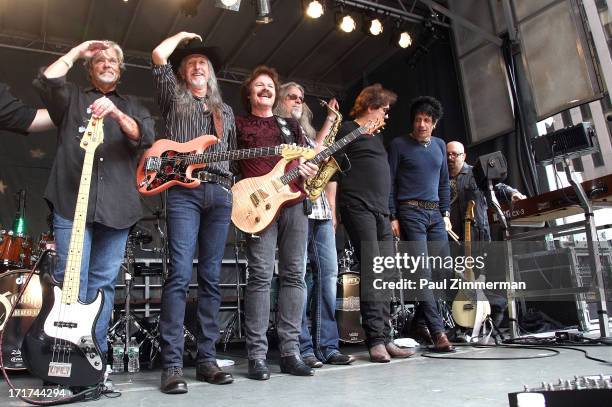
446, 214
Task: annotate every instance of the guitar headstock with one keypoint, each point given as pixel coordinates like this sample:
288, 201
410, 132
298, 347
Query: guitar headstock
290, 152
469, 213
374, 126
93, 136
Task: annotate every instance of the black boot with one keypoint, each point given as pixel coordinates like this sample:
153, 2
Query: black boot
258, 369
295, 366
172, 381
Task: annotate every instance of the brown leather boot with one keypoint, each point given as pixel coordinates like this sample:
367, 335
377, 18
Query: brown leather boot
442, 344
379, 354
397, 352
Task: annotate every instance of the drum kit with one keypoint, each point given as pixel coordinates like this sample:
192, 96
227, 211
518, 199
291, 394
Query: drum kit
17, 256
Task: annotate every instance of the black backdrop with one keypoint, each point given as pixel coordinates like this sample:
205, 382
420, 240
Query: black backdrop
25, 161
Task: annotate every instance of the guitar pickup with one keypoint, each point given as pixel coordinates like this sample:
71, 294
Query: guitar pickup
254, 199
61, 324
152, 164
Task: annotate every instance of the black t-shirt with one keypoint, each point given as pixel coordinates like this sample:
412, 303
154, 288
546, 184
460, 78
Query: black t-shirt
14, 115
365, 177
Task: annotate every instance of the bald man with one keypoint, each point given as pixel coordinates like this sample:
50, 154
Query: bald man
463, 188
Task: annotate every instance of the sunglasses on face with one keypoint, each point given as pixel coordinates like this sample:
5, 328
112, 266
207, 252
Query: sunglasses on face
293, 96
455, 155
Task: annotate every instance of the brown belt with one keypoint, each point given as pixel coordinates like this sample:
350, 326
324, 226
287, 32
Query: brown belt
421, 204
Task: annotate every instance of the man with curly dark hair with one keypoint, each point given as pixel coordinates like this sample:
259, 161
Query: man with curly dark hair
420, 202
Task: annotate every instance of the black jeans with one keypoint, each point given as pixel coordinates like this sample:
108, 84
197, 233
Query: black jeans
366, 229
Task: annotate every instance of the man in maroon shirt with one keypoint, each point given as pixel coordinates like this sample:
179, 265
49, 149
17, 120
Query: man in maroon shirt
260, 128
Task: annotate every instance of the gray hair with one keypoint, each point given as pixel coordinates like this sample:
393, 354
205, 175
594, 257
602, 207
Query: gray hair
306, 120
88, 62
184, 98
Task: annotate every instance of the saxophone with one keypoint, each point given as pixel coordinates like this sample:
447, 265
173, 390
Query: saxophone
315, 185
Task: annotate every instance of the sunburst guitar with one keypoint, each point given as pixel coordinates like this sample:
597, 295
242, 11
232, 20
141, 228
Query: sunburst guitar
257, 200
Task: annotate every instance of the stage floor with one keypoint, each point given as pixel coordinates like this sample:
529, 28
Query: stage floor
418, 381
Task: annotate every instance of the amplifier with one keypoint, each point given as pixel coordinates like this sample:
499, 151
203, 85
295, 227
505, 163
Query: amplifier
570, 142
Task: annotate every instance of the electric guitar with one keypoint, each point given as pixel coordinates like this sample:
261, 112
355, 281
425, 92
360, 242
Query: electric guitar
468, 310
60, 346
257, 200
169, 163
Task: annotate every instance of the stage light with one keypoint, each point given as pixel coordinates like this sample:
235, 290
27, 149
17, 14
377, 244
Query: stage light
347, 24
314, 9
376, 27
264, 12
232, 5
404, 40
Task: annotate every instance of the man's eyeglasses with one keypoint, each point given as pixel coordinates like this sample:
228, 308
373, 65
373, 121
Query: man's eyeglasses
455, 155
293, 96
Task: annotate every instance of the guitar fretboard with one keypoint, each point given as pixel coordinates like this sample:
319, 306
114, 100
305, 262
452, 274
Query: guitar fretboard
325, 154
72, 275
234, 155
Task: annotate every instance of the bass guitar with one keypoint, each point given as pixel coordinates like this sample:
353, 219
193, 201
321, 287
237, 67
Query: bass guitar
469, 308
169, 163
60, 346
257, 200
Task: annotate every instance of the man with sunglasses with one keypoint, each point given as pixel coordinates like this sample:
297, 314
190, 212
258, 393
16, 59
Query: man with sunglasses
320, 344
463, 189
419, 204
363, 203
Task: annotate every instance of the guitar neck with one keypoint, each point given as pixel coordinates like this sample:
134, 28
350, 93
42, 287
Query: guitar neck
325, 154
72, 276
234, 155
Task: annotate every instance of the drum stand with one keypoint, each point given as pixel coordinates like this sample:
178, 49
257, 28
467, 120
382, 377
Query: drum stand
234, 328
129, 319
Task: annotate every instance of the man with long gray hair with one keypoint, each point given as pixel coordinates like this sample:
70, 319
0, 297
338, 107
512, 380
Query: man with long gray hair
198, 218
319, 344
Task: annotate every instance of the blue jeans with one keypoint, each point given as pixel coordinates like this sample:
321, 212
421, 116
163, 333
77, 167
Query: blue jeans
198, 218
98, 271
322, 340
290, 233
421, 225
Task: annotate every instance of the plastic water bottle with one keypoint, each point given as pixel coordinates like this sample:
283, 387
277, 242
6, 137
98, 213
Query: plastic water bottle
133, 359
118, 352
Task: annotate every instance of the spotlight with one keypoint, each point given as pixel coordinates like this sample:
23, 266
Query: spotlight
401, 38
264, 13
347, 23
404, 40
233, 5
314, 9
376, 27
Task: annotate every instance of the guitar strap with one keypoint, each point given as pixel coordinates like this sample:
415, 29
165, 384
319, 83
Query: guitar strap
218, 123
286, 134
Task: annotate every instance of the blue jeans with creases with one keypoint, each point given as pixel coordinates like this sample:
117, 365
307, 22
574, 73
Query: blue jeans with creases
290, 233
198, 218
421, 225
322, 340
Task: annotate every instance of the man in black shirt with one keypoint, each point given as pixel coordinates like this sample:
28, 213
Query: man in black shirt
198, 218
363, 202
114, 204
16, 116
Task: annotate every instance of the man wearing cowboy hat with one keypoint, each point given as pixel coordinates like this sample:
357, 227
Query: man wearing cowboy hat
198, 218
